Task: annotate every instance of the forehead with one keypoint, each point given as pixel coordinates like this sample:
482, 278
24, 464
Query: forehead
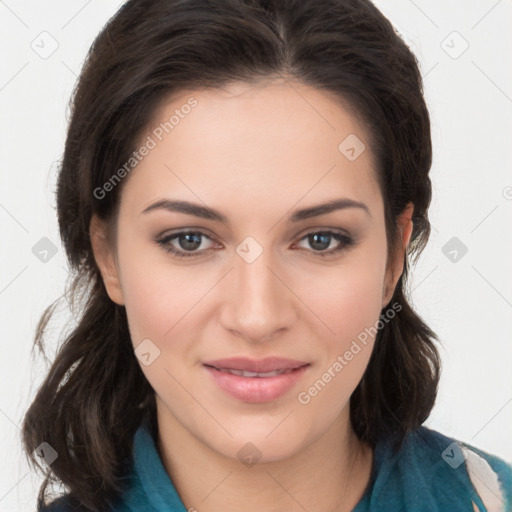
267, 144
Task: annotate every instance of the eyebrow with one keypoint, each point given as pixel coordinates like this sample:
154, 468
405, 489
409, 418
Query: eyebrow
205, 212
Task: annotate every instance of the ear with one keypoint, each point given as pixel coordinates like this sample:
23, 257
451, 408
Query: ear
105, 259
396, 267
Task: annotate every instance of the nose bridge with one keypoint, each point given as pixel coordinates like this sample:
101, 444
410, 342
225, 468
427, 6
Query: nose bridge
258, 302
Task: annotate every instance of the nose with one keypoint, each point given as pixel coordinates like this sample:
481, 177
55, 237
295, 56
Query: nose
258, 303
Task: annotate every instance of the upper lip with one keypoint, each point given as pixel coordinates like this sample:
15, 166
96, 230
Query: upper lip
269, 364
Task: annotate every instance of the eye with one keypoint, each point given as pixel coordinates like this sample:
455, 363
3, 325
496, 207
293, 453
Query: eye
321, 241
189, 243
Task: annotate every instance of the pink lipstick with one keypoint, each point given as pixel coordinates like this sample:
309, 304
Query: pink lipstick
253, 380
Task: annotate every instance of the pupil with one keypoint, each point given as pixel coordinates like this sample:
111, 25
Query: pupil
193, 243
315, 237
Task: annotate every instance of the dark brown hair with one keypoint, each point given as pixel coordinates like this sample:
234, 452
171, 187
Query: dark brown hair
95, 394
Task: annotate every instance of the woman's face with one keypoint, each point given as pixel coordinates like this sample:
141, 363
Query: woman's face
249, 164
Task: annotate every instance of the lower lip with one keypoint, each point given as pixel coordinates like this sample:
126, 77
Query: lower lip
256, 389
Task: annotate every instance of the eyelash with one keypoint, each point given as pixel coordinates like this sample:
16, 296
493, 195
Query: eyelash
164, 242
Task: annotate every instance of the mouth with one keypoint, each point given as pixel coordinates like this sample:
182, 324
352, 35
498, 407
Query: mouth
246, 373
252, 380
258, 367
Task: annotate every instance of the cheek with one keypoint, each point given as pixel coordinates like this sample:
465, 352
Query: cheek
159, 295
349, 304
158, 302
351, 312
350, 298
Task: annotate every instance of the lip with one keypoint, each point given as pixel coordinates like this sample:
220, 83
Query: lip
256, 389
269, 364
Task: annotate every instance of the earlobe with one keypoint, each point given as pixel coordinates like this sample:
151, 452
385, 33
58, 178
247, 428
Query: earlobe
104, 257
396, 268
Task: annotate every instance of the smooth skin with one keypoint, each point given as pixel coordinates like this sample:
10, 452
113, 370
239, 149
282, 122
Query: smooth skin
256, 152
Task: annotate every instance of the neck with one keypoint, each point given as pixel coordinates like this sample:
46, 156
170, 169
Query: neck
331, 474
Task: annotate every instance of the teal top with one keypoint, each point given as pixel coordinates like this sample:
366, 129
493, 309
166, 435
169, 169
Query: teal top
428, 474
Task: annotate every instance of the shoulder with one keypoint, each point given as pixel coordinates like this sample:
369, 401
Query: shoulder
457, 469
455, 453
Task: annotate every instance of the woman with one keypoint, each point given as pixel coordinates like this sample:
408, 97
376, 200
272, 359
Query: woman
242, 187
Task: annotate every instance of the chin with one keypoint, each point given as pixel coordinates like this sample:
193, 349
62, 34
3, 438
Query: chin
263, 444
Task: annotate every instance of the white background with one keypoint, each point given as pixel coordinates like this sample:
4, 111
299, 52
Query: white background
468, 303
